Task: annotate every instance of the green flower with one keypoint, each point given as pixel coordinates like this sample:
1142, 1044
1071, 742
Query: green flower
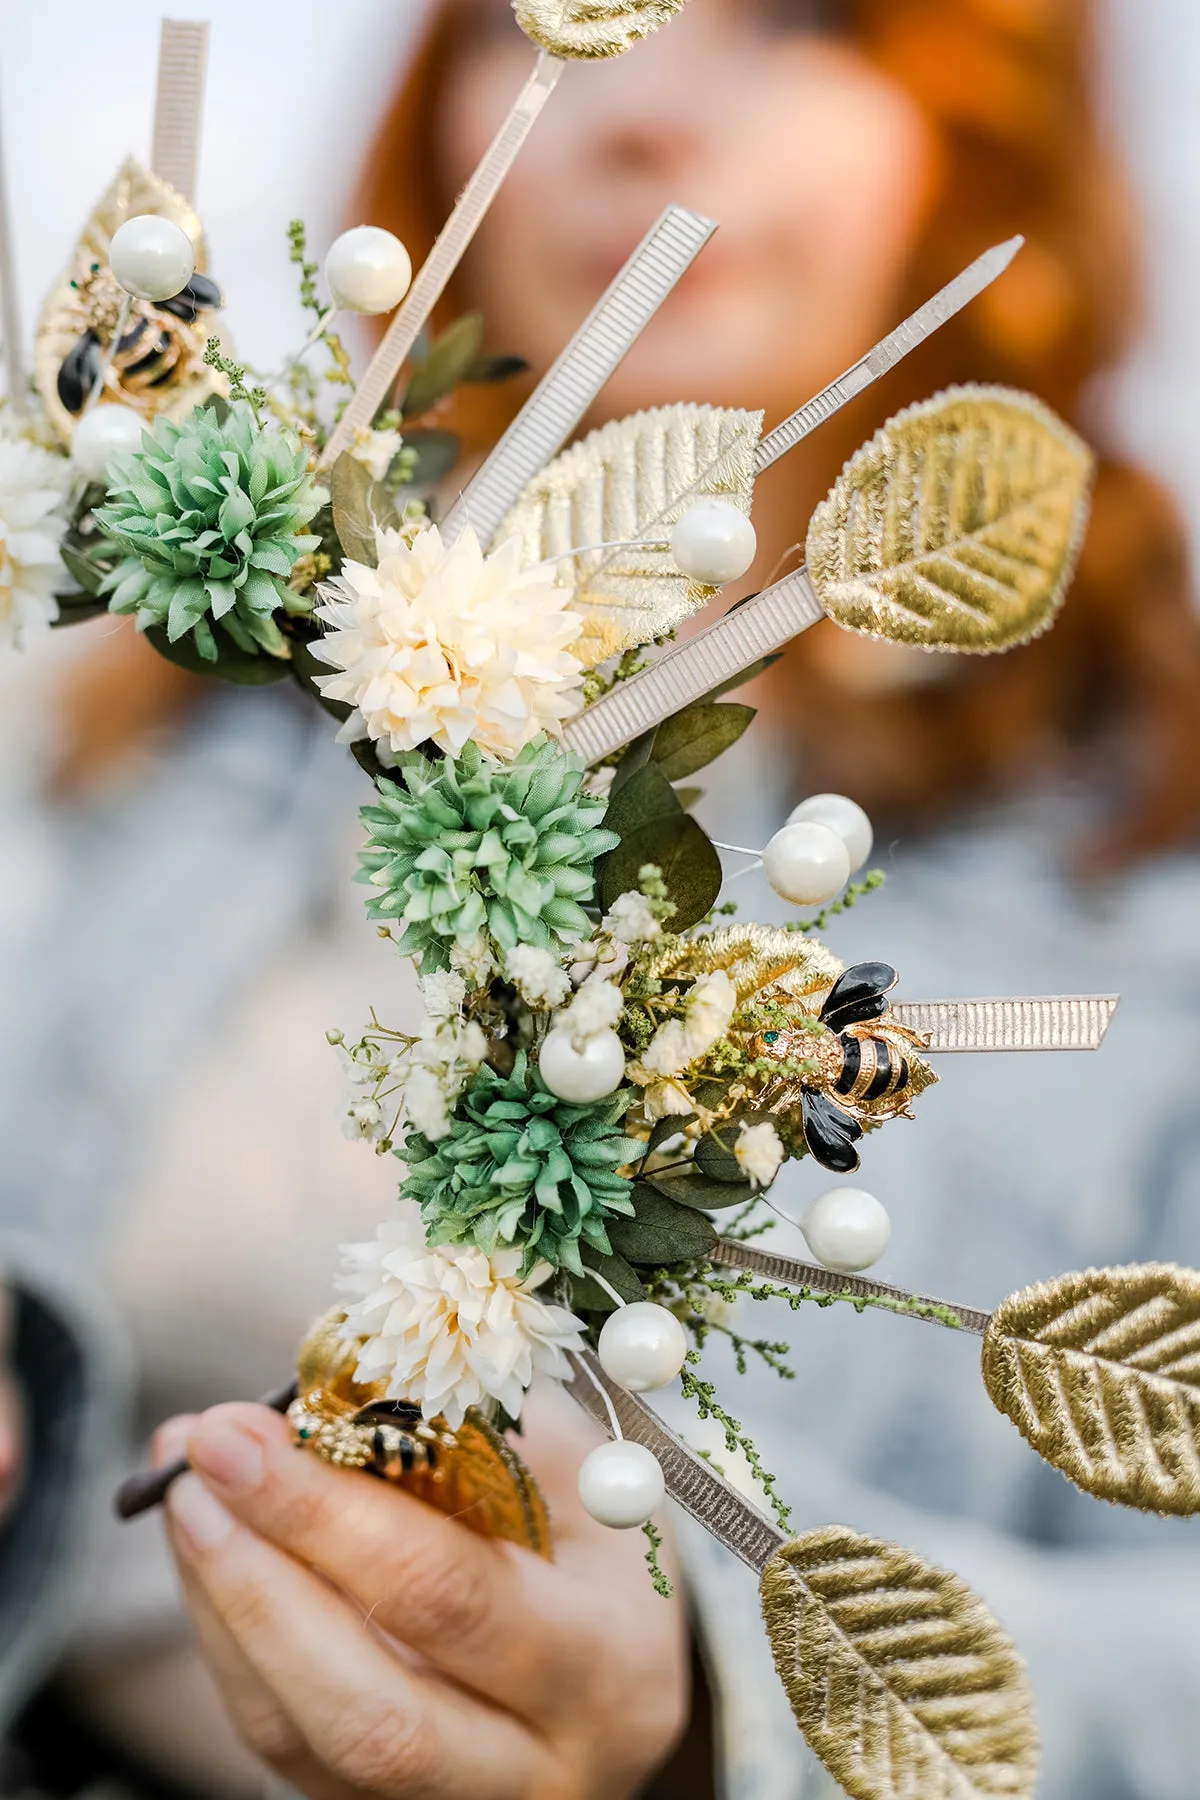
520, 1166
471, 845
209, 514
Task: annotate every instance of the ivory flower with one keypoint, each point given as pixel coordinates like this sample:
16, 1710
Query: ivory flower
537, 975
596, 1007
709, 1007
448, 1327
759, 1152
631, 920
443, 644
31, 487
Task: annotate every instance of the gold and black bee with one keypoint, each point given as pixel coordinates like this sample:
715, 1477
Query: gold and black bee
866, 1068
160, 345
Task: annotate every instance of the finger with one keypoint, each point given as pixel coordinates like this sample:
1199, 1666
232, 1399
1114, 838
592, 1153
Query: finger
366, 1719
255, 1709
12, 1433
450, 1595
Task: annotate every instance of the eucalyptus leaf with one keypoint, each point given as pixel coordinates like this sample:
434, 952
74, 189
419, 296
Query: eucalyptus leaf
691, 868
350, 488
436, 453
494, 368
694, 737
690, 1188
744, 675
450, 356
588, 1296
231, 663
635, 757
665, 1128
715, 1157
661, 1232
87, 572
645, 797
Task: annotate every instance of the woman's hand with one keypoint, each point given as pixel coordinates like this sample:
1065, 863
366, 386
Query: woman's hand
365, 1644
11, 1414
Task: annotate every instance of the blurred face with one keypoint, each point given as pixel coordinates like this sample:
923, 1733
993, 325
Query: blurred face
756, 112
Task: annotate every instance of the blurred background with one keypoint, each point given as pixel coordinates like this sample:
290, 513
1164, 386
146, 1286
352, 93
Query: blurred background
177, 926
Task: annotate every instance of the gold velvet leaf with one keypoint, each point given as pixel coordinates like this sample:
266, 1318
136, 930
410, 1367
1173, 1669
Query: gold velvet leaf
900, 1679
85, 293
957, 527
632, 480
1101, 1373
592, 28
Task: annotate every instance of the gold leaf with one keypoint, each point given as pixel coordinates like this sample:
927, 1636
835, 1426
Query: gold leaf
900, 1679
754, 957
957, 527
133, 190
631, 480
1101, 1373
592, 28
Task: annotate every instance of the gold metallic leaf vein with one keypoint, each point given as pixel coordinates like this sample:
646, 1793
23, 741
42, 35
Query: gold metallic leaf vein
900, 1679
1100, 1372
632, 479
957, 527
592, 28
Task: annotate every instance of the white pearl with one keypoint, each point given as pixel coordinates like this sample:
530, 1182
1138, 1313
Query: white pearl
152, 258
847, 1229
714, 542
642, 1346
621, 1484
592, 1073
367, 270
842, 815
807, 864
107, 431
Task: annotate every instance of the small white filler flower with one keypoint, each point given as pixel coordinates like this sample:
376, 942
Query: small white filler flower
448, 1327
442, 643
31, 488
759, 1152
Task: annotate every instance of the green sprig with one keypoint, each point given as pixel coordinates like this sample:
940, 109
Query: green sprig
853, 894
658, 1575
704, 1396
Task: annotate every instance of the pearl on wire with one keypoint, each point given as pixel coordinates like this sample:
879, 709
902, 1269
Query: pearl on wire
367, 270
152, 258
107, 430
582, 1074
807, 863
621, 1484
642, 1346
842, 815
847, 1229
714, 542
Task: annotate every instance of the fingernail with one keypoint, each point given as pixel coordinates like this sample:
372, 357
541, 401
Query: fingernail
227, 1455
170, 1441
198, 1513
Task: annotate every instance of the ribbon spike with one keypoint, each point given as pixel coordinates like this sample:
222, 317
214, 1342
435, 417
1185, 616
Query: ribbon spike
469, 212
179, 103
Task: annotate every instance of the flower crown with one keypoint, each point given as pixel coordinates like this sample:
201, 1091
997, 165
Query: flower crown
610, 1069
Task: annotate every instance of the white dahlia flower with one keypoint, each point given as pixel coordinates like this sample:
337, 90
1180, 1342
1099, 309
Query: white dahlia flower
444, 644
448, 1327
32, 482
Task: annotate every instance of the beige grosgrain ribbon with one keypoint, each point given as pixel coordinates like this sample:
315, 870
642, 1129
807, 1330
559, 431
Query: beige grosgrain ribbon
179, 103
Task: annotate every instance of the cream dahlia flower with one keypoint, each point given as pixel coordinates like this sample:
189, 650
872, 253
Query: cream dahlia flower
31, 487
443, 643
448, 1327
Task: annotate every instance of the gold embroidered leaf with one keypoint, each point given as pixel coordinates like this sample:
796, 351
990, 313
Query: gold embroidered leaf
632, 480
1101, 1373
592, 28
957, 527
900, 1679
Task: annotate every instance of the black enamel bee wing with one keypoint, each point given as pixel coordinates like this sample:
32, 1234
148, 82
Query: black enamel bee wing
858, 994
830, 1133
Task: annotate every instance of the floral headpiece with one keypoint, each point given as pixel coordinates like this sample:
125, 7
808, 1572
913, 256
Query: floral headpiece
610, 1072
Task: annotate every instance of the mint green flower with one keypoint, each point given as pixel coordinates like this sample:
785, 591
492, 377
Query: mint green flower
521, 1167
470, 845
209, 514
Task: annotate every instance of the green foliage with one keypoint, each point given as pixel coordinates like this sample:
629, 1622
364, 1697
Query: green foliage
692, 1187
210, 519
522, 1167
470, 845
661, 1232
359, 506
696, 736
658, 1576
446, 363
874, 878
587, 1295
